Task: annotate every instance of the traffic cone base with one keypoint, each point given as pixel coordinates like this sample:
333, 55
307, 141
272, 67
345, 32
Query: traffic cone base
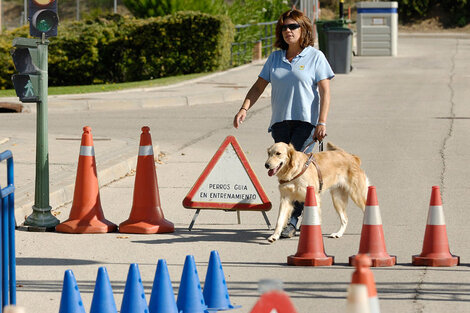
146, 227
377, 262
94, 226
305, 261
431, 261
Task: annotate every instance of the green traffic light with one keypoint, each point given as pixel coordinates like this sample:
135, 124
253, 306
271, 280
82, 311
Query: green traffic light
44, 20
44, 25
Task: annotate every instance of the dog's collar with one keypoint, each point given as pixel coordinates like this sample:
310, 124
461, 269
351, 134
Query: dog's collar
311, 159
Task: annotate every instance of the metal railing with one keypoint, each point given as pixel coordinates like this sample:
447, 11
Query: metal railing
7, 226
247, 36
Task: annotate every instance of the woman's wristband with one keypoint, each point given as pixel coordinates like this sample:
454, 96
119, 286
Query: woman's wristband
324, 124
243, 109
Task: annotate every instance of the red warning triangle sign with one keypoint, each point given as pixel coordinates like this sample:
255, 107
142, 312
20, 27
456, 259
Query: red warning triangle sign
228, 183
274, 302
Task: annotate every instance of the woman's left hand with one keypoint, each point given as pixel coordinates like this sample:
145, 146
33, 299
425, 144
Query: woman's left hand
320, 132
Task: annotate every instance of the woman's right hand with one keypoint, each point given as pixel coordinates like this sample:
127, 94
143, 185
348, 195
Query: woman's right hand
239, 118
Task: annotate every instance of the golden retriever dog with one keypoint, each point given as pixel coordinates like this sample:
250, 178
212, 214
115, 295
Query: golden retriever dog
340, 172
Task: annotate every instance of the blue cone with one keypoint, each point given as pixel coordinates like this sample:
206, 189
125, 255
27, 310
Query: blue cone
133, 300
162, 299
190, 298
103, 298
215, 288
70, 301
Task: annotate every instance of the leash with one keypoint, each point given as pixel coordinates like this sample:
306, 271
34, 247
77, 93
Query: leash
311, 159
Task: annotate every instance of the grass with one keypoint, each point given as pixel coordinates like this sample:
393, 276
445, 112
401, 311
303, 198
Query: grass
111, 87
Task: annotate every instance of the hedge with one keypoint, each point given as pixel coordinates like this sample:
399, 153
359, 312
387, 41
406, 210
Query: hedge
121, 49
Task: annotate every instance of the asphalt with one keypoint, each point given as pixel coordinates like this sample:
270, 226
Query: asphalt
408, 117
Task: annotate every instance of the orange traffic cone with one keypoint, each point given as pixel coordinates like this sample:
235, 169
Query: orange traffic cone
363, 275
357, 299
86, 215
146, 214
274, 301
436, 246
310, 251
372, 235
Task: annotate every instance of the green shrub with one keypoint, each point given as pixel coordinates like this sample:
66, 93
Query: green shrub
154, 8
122, 49
453, 12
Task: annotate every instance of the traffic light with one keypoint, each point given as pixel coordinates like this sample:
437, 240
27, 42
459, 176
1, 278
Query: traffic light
26, 60
43, 18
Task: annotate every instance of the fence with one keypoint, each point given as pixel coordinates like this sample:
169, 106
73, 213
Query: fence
7, 226
13, 13
247, 36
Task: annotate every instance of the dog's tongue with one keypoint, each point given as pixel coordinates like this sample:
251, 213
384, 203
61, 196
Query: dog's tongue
271, 172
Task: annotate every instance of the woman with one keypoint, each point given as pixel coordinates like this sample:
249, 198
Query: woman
300, 98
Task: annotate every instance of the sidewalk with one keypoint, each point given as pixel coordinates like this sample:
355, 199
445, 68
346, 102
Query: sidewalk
230, 85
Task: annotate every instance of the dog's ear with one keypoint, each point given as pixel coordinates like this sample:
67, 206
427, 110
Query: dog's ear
295, 158
291, 155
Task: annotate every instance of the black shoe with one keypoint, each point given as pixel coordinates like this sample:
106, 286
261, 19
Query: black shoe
288, 231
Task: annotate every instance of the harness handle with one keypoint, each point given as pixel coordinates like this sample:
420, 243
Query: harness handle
320, 145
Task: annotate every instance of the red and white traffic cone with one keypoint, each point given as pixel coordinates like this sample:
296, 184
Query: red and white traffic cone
357, 299
436, 245
372, 235
146, 215
310, 251
274, 301
363, 275
86, 215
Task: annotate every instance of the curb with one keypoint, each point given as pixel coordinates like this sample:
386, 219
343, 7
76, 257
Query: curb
110, 171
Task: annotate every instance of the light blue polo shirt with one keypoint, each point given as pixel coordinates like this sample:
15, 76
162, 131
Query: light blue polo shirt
294, 94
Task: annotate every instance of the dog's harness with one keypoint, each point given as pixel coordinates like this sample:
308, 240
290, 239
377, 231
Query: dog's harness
311, 159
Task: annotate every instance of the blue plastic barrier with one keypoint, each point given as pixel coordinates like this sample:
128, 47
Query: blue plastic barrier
7, 231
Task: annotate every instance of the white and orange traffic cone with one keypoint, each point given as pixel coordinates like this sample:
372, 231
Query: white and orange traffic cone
86, 214
146, 215
364, 276
274, 301
357, 299
435, 245
372, 235
310, 251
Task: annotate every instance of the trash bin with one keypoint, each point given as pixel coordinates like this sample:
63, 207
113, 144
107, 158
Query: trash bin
322, 26
377, 28
339, 47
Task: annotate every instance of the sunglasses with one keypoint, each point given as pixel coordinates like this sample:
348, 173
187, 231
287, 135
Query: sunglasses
290, 26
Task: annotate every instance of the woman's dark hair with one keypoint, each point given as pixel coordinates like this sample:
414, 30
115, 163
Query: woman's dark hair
306, 36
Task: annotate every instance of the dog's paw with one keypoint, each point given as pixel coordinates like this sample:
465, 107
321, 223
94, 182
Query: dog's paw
335, 235
273, 238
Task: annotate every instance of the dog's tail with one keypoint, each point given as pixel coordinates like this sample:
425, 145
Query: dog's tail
332, 147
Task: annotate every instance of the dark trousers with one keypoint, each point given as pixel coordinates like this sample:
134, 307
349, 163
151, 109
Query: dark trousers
295, 132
